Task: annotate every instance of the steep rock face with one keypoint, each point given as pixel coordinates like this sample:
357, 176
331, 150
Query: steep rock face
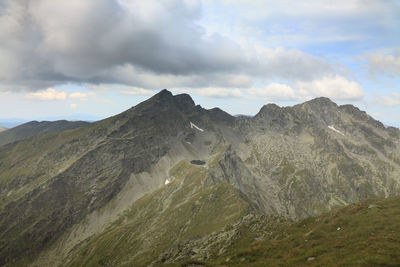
60, 192
232, 170
317, 156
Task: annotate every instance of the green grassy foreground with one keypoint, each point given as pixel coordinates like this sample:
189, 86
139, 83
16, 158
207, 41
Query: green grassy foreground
362, 234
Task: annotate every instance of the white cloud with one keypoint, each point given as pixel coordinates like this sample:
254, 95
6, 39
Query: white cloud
217, 92
377, 114
289, 64
274, 91
129, 90
123, 89
388, 100
337, 87
82, 96
73, 106
387, 64
47, 95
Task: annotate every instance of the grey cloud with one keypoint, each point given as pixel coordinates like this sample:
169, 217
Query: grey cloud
140, 43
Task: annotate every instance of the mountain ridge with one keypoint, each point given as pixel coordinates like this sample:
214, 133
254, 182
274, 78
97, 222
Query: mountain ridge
33, 128
66, 189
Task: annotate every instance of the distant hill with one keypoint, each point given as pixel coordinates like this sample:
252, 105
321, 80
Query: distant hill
33, 128
12, 122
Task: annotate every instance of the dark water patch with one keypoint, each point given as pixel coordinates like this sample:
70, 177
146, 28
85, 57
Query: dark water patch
197, 162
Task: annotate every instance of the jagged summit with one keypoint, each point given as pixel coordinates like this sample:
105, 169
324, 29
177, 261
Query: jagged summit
268, 110
161, 98
165, 100
184, 101
166, 95
321, 101
163, 94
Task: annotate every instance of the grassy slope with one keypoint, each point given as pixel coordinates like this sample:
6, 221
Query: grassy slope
182, 210
28, 158
27, 166
369, 235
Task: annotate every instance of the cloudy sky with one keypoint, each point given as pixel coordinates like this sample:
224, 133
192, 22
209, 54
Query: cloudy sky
96, 58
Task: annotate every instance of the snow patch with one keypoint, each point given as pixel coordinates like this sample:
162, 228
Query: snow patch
192, 125
167, 182
335, 130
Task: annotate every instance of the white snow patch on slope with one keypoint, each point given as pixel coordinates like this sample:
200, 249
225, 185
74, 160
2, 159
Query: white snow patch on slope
192, 125
167, 182
335, 130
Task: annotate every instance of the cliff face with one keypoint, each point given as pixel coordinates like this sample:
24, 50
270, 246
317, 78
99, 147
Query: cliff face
63, 194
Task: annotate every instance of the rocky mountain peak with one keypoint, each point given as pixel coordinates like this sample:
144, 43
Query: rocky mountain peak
165, 98
161, 98
163, 94
269, 110
163, 102
320, 104
184, 101
318, 111
321, 101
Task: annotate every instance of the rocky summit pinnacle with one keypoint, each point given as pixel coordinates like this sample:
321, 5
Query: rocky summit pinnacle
165, 99
163, 93
126, 191
321, 101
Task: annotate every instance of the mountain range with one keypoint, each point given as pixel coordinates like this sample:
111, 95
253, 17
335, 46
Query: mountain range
168, 182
